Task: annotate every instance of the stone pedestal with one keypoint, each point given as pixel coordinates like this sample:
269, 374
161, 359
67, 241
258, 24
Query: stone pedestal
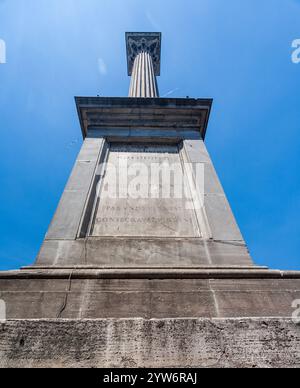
149, 232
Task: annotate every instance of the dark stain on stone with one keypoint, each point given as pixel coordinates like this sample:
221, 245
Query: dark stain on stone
161, 325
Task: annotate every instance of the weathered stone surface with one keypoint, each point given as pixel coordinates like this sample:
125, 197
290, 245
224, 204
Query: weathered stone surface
76, 294
66, 221
197, 151
184, 343
134, 252
220, 218
153, 204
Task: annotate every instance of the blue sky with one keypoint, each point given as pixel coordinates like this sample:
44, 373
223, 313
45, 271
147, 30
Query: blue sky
237, 52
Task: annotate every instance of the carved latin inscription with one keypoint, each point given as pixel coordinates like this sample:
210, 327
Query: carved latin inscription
142, 194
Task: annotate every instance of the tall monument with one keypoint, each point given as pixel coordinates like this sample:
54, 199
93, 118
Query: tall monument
144, 263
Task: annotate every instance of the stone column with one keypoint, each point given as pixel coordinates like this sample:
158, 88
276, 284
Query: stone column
143, 79
143, 58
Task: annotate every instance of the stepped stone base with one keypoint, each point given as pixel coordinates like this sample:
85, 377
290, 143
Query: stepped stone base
155, 317
90, 293
150, 343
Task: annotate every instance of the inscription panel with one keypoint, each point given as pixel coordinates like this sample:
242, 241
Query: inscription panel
142, 194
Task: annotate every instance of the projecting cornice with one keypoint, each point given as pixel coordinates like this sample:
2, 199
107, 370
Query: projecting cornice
174, 118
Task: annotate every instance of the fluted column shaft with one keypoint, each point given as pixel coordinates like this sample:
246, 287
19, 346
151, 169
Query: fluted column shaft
143, 79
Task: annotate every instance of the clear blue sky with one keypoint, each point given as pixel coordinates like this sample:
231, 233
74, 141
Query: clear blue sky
237, 52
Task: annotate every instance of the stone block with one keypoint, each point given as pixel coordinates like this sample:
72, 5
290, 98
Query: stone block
162, 343
220, 218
